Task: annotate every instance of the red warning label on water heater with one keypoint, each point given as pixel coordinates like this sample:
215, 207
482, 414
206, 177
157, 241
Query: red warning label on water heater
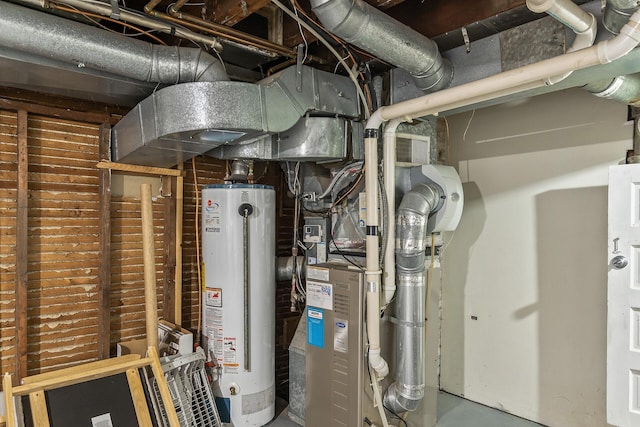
213, 297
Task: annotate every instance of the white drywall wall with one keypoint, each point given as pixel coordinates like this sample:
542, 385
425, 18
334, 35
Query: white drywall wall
525, 274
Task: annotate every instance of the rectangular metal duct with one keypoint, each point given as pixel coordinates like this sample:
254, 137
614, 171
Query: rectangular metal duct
311, 139
182, 121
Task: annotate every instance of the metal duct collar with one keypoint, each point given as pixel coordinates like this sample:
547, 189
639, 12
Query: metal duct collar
182, 121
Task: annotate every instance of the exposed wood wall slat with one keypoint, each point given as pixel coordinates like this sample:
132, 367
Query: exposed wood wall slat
21, 248
104, 278
169, 252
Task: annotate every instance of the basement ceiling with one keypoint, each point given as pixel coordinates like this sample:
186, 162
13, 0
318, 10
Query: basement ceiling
257, 38
442, 20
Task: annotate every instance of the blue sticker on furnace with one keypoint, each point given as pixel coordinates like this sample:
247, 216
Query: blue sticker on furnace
315, 326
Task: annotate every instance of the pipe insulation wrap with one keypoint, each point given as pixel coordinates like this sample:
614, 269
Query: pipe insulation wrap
376, 32
411, 241
85, 46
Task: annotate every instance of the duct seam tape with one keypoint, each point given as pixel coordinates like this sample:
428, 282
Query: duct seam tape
372, 287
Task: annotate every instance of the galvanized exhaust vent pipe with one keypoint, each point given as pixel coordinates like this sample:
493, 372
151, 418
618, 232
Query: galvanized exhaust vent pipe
376, 32
617, 14
411, 233
102, 51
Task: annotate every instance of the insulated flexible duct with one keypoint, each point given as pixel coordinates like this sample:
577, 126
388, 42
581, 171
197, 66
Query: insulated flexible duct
411, 233
92, 48
376, 32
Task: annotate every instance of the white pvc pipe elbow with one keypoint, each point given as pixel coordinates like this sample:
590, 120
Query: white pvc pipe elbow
568, 13
623, 43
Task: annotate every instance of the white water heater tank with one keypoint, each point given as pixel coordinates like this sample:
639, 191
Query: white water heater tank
238, 252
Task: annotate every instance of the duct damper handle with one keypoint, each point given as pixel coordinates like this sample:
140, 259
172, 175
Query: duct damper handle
245, 210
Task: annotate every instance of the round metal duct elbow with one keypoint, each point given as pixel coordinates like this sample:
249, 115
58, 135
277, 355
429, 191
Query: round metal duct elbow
402, 398
376, 32
411, 225
172, 64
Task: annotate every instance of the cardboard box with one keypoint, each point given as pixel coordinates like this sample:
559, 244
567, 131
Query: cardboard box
172, 339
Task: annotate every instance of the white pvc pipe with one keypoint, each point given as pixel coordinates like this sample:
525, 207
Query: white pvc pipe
389, 179
373, 272
512, 81
583, 24
565, 11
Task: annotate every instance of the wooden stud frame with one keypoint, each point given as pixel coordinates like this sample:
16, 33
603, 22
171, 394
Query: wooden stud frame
36, 386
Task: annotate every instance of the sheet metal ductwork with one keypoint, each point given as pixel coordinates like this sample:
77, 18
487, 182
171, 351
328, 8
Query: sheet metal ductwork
48, 36
411, 234
182, 121
617, 14
625, 89
376, 32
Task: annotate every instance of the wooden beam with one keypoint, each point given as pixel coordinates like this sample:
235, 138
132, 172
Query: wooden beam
89, 117
428, 17
104, 275
435, 17
22, 234
169, 253
148, 250
179, 225
230, 12
61, 102
146, 170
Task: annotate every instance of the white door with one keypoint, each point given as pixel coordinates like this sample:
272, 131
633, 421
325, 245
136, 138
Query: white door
623, 319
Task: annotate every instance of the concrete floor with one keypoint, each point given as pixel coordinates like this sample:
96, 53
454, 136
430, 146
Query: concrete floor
453, 411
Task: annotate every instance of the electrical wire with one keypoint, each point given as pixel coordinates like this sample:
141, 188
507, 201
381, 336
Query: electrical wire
171, 27
464, 135
350, 72
343, 255
90, 15
304, 39
338, 176
395, 415
384, 206
350, 190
